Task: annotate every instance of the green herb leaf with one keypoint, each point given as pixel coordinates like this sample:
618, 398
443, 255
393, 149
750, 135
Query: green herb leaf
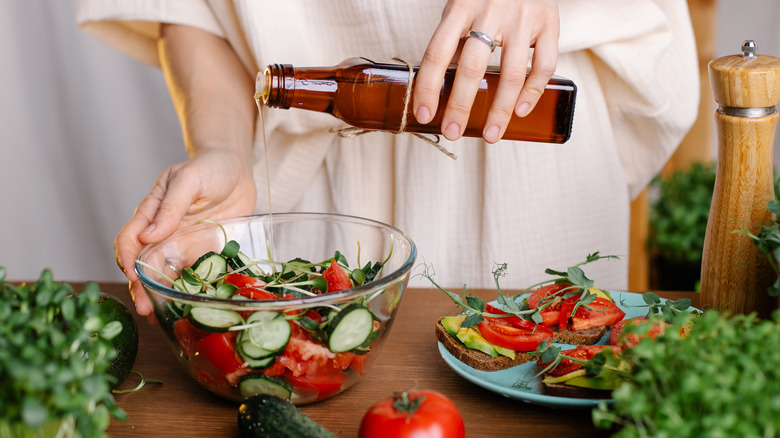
341, 259
550, 353
319, 283
231, 249
472, 320
577, 277
475, 303
358, 276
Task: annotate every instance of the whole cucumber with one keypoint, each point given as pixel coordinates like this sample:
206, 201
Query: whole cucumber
264, 415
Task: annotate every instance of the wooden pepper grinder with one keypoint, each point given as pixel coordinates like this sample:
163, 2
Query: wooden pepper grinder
735, 274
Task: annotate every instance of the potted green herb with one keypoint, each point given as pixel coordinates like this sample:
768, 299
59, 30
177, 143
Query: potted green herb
55, 354
678, 222
768, 240
719, 380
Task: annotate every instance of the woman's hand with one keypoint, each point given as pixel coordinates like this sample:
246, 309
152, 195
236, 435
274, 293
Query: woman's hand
515, 26
211, 185
213, 95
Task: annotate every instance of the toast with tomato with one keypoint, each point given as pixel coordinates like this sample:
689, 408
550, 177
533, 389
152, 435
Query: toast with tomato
570, 378
568, 375
578, 317
492, 343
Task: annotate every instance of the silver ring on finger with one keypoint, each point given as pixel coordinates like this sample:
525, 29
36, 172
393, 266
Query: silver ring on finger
484, 38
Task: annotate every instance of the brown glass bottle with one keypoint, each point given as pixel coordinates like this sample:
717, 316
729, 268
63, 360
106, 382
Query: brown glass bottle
370, 95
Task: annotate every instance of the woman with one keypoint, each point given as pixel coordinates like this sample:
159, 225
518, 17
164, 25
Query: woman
533, 206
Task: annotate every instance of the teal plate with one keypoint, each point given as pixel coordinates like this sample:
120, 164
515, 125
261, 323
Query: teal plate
503, 381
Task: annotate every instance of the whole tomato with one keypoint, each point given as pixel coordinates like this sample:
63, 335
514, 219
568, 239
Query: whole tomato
418, 414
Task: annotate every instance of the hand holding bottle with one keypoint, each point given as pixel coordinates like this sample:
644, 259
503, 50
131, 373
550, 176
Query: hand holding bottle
515, 26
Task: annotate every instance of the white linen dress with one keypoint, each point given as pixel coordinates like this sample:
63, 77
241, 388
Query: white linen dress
530, 205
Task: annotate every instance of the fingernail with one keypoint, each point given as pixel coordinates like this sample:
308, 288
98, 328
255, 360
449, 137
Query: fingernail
522, 109
149, 229
423, 115
491, 134
452, 132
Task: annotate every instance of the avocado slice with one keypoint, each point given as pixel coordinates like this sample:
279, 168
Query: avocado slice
472, 338
452, 324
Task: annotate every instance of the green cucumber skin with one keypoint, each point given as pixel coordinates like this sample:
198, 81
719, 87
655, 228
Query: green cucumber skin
210, 327
268, 416
212, 275
337, 320
254, 384
277, 319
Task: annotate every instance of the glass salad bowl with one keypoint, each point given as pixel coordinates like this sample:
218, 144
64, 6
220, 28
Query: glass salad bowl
296, 305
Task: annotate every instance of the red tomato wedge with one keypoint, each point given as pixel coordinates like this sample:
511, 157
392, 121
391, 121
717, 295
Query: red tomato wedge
254, 293
546, 293
241, 280
325, 384
187, 336
566, 366
218, 349
551, 314
618, 337
336, 277
512, 332
601, 312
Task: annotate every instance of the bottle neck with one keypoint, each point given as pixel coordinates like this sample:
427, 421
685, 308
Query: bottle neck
284, 86
274, 84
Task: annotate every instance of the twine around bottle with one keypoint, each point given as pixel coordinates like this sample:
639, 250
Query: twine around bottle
352, 131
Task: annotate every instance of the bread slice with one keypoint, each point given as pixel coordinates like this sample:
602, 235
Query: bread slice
580, 337
475, 358
563, 390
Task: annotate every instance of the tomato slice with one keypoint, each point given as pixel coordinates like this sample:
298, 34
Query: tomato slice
514, 320
336, 277
220, 350
254, 293
359, 364
601, 312
566, 366
546, 293
187, 336
618, 337
241, 280
551, 314
567, 307
507, 334
325, 383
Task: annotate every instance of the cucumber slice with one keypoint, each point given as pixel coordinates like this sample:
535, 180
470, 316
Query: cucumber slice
214, 320
350, 328
253, 384
225, 290
242, 261
271, 333
182, 286
247, 350
210, 266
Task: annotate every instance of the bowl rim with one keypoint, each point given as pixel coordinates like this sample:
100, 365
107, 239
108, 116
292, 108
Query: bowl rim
248, 304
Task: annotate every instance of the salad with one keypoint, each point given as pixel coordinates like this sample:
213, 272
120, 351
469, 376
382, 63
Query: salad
302, 354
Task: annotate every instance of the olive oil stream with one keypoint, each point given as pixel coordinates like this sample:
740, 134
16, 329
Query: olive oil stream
258, 97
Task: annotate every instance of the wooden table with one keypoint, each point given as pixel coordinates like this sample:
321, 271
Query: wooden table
410, 360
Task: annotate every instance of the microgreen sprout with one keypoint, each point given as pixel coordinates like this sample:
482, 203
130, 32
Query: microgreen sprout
55, 352
579, 284
140, 385
768, 242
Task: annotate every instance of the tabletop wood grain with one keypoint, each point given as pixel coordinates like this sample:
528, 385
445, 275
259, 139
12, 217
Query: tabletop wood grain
180, 407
